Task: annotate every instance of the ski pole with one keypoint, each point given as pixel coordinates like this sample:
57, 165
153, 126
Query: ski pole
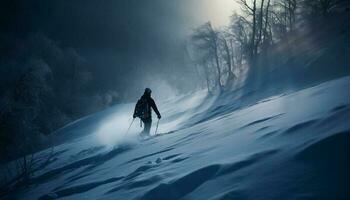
130, 126
155, 133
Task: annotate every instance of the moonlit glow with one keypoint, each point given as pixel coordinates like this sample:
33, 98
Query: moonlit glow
218, 12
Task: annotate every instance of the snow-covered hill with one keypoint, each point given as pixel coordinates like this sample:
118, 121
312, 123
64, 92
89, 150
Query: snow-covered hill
291, 146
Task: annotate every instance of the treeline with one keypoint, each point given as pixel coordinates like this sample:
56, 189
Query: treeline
255, 38
43, 87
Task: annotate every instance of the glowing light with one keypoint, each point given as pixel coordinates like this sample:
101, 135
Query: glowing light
218, 12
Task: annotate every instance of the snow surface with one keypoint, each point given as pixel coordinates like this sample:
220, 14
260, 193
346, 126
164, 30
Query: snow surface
290, 146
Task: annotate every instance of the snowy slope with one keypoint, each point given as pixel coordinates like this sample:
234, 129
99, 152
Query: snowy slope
292, 146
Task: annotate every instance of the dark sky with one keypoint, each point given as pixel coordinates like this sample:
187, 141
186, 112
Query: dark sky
94, 24
115, 37
122, 40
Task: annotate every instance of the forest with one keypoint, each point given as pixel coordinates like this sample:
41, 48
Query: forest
271, 42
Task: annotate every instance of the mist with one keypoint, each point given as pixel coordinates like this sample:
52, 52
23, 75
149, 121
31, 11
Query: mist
63, 60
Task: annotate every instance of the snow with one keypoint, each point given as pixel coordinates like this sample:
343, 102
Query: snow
289, 146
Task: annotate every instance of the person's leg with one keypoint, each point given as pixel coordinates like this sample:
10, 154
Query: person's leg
147, 126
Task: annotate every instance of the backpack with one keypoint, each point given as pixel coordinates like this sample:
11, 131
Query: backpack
142, 109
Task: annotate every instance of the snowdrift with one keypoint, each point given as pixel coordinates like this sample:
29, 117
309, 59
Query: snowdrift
290, 146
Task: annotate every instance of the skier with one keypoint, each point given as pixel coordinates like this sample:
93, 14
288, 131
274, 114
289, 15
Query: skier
143, 111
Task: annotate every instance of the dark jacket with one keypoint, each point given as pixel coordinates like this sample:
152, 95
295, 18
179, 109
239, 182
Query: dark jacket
151, 104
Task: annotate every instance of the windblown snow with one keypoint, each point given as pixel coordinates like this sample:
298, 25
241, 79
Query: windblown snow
290, 146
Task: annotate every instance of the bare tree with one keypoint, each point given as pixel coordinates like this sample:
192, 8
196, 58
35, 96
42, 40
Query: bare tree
228, 56
292, 6
284, 16
250, 8
239, 30
258, 20
267, 27
207, 40
260, 27
198, 55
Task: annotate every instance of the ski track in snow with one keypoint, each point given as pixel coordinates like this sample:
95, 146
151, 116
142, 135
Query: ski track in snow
292, 146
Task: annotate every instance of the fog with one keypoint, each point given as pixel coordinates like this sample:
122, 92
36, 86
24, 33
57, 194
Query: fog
62, 60
127, 45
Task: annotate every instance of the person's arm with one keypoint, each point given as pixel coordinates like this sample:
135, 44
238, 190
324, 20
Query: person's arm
154, 107
134, 115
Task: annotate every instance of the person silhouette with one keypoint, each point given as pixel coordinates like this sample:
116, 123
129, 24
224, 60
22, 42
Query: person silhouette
143, 110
